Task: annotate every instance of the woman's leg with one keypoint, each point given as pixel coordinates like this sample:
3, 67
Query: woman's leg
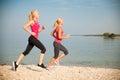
39, 45
20, 59
51, 62
16, 63
65, 52
60, 57
27, 50
56, 53
41, 57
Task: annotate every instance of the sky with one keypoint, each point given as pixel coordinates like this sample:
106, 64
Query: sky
80, 16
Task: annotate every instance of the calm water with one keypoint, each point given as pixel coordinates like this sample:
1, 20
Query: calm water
83, 51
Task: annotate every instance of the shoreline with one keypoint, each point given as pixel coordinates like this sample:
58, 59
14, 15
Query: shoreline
110, 65
99, 35
32, 72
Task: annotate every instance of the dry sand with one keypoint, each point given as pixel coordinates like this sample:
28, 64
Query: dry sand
32, 72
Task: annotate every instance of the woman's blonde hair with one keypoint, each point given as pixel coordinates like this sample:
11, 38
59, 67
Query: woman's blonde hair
31, 14
59, 20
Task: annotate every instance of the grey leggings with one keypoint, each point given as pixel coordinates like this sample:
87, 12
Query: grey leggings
32, 41
57, 48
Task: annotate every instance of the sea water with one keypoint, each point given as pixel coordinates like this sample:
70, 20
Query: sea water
83, 51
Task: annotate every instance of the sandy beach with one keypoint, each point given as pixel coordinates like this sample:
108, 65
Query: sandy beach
32, 72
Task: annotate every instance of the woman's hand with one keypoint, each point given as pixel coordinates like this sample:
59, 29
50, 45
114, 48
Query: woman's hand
33, 33
67, 36
43, 27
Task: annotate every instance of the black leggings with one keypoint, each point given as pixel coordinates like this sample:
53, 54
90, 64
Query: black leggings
32, 41
57, 48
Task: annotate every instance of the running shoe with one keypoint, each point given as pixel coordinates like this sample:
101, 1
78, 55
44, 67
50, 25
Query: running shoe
42, 66
57, 63
14, 66
49, 68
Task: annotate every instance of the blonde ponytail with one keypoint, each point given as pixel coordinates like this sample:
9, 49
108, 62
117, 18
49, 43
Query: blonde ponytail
30, 16
59, 20
55, 24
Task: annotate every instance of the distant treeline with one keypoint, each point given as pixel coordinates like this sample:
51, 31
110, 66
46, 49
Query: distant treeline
105, 35
111, 35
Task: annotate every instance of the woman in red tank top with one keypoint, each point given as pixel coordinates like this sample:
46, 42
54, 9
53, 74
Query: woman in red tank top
32, 40
57, 33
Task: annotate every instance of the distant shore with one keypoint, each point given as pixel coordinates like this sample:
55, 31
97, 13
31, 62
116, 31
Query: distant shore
32, 72
116, 36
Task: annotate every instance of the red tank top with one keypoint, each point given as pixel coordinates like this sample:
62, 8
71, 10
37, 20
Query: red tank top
35, 28
57, 38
